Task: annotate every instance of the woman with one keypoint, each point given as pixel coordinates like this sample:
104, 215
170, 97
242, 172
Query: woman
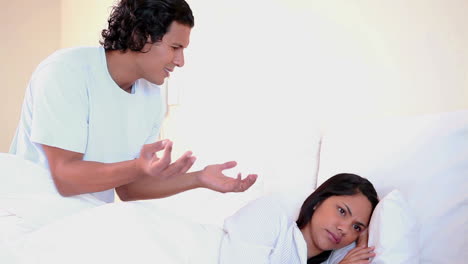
334, 216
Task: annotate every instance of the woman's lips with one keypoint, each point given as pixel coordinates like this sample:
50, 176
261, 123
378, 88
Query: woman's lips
334, 238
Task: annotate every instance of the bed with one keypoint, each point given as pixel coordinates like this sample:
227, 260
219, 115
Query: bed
419, 165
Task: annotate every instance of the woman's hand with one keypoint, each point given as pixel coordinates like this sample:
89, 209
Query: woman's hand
359, 255
212, 177
363, 238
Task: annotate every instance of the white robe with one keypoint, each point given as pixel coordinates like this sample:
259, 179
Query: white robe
265, 231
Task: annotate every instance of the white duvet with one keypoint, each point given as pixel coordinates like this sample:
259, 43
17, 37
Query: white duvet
142, 232
135, 232
81, 229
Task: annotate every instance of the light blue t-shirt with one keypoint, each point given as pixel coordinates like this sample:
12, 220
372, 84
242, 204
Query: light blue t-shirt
73, 103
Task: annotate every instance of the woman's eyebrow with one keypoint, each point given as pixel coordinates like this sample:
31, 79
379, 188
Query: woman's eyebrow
349, 210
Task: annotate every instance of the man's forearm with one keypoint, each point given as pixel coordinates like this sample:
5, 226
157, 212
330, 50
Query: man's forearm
78, 177
153, 188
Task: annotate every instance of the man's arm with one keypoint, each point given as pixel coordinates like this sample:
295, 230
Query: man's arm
72, 175
211, 177
147, 177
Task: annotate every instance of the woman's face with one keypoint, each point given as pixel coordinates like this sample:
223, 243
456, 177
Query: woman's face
337, 222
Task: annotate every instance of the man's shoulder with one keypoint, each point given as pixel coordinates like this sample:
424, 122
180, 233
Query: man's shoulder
73, 57
77, 51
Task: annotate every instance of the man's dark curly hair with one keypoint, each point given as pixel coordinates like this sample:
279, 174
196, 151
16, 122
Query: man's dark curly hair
131, 22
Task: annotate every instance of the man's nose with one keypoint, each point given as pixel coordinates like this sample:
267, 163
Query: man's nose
179, 58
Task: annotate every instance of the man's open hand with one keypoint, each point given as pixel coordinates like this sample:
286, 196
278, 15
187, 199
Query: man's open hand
212, 177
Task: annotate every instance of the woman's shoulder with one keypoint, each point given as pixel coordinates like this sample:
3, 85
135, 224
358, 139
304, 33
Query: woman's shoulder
270, 211
261, 222
285, 204
269, 204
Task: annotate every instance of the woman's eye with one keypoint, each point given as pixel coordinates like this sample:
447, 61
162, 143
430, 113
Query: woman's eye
357, 228
341, 210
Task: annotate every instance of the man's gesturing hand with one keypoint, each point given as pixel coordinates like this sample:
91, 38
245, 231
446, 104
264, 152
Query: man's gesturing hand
212, 177
161, 167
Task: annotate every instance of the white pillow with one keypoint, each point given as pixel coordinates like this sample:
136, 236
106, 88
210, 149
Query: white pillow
261, 151
20, 176
393, 231
426, 158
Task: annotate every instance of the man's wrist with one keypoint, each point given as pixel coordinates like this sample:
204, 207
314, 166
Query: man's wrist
139, 172
195, 177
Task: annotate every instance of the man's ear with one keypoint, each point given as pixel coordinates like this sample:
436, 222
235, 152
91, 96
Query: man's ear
362, 238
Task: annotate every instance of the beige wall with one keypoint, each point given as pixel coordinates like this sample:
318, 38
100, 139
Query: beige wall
83, 21
30, 31
272, 70
328, 59
271, 66
33, 30
262, 75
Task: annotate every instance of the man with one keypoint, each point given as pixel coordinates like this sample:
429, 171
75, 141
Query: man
92, 114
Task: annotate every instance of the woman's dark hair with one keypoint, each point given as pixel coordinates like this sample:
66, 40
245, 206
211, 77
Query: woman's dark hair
131, 22
340, 184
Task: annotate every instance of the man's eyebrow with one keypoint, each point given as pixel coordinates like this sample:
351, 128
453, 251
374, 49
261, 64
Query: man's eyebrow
178, 45
350, 213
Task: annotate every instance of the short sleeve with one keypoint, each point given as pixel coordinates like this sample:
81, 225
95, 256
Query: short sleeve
60, 107
251, 234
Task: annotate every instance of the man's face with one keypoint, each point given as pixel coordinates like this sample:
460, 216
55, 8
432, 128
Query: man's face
159, 59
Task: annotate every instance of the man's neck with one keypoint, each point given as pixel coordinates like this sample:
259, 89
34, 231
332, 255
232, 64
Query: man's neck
121, 68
